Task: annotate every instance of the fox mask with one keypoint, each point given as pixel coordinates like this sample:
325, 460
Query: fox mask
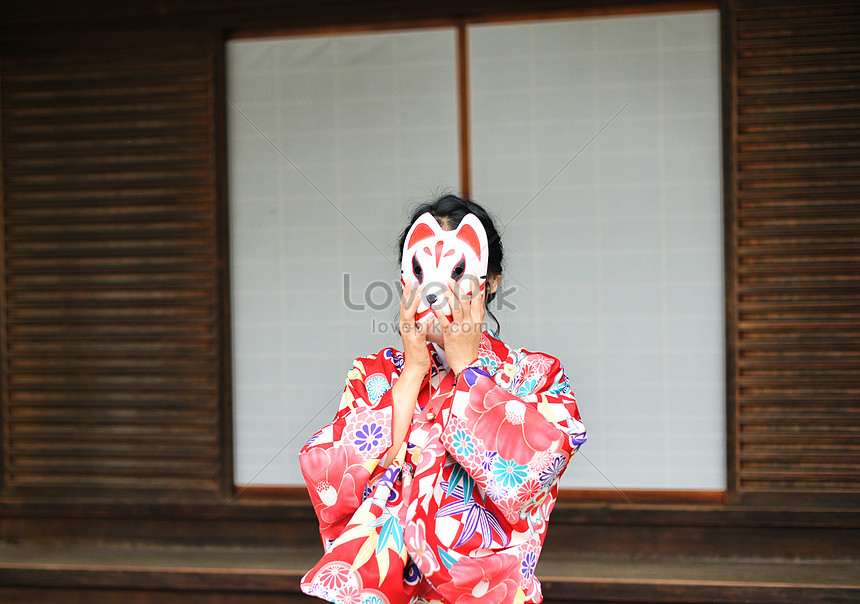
432, 255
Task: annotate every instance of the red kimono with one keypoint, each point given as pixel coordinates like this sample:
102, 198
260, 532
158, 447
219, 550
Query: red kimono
460, 515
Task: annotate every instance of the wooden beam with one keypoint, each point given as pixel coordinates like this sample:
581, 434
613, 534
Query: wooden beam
464, 111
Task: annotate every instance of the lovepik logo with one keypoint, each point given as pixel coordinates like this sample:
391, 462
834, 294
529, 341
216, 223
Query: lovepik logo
382, 295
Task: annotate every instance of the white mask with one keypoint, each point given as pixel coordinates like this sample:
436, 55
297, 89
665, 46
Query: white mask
432, 256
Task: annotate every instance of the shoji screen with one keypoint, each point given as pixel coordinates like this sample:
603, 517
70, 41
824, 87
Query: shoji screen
597, 141
329, 137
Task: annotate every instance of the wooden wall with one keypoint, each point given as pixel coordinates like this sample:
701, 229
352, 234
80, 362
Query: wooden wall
113, 272
116, 410
793, 251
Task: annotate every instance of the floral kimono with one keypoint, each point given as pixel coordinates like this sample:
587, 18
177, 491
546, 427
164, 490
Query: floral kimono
461, 513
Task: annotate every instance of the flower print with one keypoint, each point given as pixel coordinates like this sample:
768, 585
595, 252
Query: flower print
529, 490
376, 386
508, 473
509, 509
373, 598
488, 358
508, 377
528, 564
335, 487
333, 576
537, 512
515, 412
348, 594
523, 372
487, 580
541, 362
368, 437
316, 590
419, 549
463, 443
368, 431
549, 475
540, 461
489, 458
507, 425
533, 510
528, 385
495, 491
490, 364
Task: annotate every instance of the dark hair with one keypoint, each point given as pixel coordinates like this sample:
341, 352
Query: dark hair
449, 210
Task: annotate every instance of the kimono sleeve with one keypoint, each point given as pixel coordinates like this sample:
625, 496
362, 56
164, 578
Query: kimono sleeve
340, 460
515, 442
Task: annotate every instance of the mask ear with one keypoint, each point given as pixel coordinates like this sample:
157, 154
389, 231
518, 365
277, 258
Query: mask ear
426, 226
471, 231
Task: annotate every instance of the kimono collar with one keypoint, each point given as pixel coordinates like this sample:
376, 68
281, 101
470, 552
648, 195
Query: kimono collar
437, 356
437, 353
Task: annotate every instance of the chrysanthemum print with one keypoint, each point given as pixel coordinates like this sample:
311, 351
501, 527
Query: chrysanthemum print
460, 515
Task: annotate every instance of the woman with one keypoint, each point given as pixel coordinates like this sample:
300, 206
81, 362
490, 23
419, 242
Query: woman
435, 481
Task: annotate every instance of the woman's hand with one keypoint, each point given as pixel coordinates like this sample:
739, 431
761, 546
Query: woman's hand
416, 364
462, 335
415, 355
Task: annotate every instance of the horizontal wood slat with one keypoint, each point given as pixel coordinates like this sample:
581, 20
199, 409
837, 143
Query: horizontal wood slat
111, 273
797, 248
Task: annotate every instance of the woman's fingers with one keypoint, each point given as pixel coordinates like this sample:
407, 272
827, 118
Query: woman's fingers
465, 309
462, 334
404, 295
454, 302
470, 305
408, 304
414, 334
478, 307
444, 323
